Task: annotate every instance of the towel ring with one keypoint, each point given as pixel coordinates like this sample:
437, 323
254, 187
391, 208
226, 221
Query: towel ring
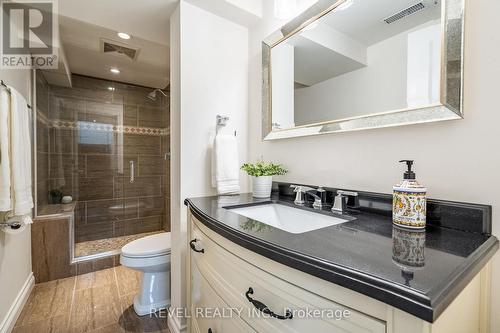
221, 121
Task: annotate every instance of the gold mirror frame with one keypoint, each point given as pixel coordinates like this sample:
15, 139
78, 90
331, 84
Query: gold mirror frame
451, 96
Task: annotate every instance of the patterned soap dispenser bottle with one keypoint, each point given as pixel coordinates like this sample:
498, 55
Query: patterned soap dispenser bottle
409, 203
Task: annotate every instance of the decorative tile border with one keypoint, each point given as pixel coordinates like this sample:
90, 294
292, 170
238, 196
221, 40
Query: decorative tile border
89, 126
42, 118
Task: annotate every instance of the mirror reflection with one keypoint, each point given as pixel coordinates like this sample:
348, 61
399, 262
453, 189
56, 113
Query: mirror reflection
363, 58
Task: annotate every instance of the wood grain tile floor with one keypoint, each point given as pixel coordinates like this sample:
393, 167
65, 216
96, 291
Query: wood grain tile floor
97, 302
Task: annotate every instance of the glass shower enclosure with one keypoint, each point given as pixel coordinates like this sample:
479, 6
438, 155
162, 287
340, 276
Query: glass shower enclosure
104, 144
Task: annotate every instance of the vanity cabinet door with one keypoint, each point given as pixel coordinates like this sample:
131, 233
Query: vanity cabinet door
210, 314
257, 293
235, 325
204, 302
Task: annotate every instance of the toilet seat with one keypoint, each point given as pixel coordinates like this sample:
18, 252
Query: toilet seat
148, 247
158, 261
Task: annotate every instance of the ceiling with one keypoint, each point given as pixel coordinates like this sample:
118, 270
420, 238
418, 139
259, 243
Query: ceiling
83, 24
363, 21
327, 62
334, 41
128, 16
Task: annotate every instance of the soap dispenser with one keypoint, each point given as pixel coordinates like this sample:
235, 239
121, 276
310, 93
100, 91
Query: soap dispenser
409, 204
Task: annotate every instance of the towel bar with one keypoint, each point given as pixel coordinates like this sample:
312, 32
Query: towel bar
8, 90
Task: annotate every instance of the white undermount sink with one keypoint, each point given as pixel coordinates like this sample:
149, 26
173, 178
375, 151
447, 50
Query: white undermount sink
290, 219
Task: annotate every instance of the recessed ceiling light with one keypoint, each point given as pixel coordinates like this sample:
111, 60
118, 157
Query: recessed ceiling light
123, 35
115, 70
111, 88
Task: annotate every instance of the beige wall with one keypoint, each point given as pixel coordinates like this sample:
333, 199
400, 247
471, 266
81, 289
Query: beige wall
457, 160
15, 250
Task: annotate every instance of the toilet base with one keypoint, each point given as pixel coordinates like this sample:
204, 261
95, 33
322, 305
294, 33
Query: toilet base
154, 293
149, 309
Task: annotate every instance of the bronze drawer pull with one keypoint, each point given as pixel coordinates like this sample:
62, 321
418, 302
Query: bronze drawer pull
264, 309
193, 247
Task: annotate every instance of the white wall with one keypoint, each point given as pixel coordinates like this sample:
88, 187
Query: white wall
15, 250
177, 263
282, 69
210, 77
424, 66
457, 160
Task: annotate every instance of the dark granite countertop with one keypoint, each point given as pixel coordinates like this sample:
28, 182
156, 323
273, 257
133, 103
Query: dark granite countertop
417, 272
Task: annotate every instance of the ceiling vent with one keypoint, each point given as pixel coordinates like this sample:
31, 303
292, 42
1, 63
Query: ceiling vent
404, 13
119, 49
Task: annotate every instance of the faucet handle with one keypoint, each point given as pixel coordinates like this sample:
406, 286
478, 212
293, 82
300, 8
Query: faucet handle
301, 188
300, 193
340, 202
347, 193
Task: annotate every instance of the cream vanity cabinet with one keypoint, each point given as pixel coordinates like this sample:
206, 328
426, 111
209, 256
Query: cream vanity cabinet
224, 277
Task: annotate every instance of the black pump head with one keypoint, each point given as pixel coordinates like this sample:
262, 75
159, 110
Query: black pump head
408, 174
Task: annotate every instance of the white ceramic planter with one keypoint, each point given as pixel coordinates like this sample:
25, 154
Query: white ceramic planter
262, 186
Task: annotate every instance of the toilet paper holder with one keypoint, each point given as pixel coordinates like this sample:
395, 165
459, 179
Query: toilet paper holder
5, 223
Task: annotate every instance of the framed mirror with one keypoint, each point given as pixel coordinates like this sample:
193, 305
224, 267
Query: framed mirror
346, 65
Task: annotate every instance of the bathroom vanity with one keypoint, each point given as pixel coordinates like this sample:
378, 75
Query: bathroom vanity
354, 273
279, 265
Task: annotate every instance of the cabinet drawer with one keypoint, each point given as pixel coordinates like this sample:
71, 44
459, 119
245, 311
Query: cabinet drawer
231, 278
209, 313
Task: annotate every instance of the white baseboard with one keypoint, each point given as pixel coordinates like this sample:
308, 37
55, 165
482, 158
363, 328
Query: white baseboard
174, 324
16, 307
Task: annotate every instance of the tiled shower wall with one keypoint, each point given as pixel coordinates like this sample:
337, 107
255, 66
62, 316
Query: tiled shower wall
97, 128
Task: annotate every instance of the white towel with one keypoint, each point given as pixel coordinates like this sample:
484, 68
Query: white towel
5, 194
225, 164
21, 155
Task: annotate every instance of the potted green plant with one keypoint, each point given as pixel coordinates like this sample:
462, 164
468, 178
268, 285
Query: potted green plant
262, 176
56, 196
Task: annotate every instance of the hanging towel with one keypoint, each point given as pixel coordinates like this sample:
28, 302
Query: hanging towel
225, 164
5, 194
21, 155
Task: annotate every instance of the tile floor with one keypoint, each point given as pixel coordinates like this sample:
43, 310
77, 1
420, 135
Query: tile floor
97, 302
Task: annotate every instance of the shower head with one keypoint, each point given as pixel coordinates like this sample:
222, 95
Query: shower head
152, 95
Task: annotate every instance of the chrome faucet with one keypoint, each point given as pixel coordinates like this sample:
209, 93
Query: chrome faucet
302, 191
340, 202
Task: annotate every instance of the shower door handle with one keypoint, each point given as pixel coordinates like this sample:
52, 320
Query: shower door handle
132, 171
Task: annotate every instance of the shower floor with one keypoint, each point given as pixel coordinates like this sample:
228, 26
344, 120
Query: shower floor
89, 248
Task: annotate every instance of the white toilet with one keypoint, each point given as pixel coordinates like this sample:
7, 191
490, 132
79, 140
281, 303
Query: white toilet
151, 256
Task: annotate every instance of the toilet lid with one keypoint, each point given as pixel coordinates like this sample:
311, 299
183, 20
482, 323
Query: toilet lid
148, 246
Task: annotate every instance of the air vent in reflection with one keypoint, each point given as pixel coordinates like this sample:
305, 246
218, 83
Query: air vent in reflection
404, 13
113, 47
